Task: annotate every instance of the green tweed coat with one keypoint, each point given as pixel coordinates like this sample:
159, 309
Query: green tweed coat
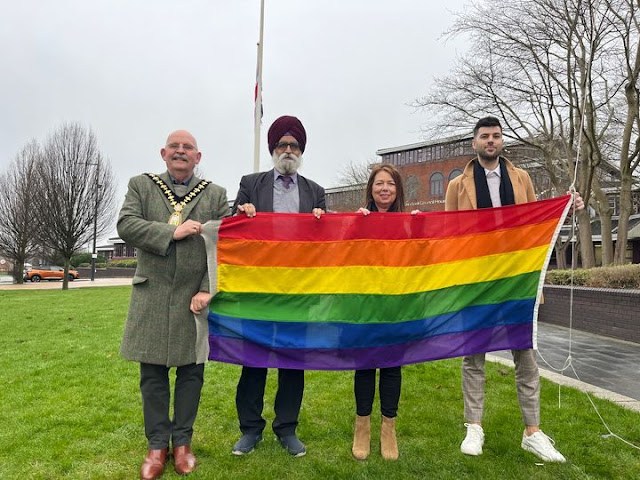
160, 328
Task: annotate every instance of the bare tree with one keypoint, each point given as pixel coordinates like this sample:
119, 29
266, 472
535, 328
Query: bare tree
17, 192
76, 192
352, 180
357, 173
543, 66
626, 21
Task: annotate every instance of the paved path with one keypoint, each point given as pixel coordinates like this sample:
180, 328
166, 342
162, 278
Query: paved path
607, 367
83, 282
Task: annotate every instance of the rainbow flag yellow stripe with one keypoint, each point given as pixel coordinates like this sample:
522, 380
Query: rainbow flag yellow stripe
378, 280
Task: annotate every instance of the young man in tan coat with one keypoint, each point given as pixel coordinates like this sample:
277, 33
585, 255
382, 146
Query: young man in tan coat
490, 180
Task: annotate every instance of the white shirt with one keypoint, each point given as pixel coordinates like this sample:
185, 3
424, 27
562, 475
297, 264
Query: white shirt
493, 182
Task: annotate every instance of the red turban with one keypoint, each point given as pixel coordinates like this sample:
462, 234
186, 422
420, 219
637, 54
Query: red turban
286, 125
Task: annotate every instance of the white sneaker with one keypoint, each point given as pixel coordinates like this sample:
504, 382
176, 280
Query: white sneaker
472, 443
543, 446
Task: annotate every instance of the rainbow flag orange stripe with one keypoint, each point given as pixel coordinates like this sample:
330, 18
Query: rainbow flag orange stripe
352, 292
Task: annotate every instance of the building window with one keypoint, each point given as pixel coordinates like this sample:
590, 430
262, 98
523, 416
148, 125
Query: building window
455, 173
460, 148
428, 153
437, 184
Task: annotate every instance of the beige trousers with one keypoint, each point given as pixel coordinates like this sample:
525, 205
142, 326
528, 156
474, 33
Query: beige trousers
527, 386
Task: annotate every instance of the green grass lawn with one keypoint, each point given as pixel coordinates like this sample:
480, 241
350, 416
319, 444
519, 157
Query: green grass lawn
71, 409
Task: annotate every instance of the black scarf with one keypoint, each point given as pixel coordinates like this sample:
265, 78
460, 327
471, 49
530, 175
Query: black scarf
483, 198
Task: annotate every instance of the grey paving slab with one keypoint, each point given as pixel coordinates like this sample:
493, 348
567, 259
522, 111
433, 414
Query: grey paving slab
601, 361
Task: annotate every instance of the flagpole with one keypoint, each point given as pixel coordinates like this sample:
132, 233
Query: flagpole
258, 99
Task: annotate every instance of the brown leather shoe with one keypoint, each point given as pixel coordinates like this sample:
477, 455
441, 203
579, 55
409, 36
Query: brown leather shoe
154, 463
184, 460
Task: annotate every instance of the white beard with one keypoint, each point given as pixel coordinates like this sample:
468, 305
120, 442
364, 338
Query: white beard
287, 163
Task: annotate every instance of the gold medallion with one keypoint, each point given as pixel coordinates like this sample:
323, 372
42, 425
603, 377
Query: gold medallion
175, 219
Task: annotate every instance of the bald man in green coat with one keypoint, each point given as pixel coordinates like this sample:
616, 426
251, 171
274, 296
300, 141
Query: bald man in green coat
162, 217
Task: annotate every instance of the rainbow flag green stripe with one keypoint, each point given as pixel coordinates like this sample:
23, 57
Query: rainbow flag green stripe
356, 308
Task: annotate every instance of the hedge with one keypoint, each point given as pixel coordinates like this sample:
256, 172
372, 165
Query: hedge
623, 276
81, 258
129, 263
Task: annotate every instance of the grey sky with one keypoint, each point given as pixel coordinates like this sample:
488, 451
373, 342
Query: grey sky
134, 71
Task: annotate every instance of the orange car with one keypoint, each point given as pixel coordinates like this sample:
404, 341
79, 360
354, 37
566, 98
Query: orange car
51, 272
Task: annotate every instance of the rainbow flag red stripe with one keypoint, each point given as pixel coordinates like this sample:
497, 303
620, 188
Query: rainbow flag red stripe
354, 292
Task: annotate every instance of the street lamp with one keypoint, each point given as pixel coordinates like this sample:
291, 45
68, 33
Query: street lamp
94, 253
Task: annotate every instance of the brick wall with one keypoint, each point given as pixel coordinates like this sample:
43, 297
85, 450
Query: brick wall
610, 312
417, 182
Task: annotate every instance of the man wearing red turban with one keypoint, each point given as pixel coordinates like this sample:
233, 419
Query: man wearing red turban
281, 190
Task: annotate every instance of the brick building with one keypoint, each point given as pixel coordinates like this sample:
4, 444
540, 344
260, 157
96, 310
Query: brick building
426, 168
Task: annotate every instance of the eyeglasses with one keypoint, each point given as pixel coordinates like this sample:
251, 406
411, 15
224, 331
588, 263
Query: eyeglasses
295, 146
185, 146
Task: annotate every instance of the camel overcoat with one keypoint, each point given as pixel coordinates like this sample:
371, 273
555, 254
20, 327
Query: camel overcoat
160, 328
461, 192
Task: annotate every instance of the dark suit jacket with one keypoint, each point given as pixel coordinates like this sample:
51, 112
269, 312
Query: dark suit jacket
257, 188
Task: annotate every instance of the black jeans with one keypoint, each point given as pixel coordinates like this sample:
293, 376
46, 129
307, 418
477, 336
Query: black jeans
250, 400
156, 397
364, 386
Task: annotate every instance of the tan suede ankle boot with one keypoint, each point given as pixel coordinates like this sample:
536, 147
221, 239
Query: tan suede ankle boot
362, 438
388, 442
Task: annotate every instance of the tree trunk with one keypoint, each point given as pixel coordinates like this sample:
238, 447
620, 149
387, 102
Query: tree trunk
587, 254
627, 165
604, 212
561, 252
65, 278
18, 269
585, 177
624, 212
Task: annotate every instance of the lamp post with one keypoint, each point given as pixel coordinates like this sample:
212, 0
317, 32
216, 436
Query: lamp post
94, 253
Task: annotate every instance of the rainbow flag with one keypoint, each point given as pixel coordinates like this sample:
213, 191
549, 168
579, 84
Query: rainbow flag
349, 292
